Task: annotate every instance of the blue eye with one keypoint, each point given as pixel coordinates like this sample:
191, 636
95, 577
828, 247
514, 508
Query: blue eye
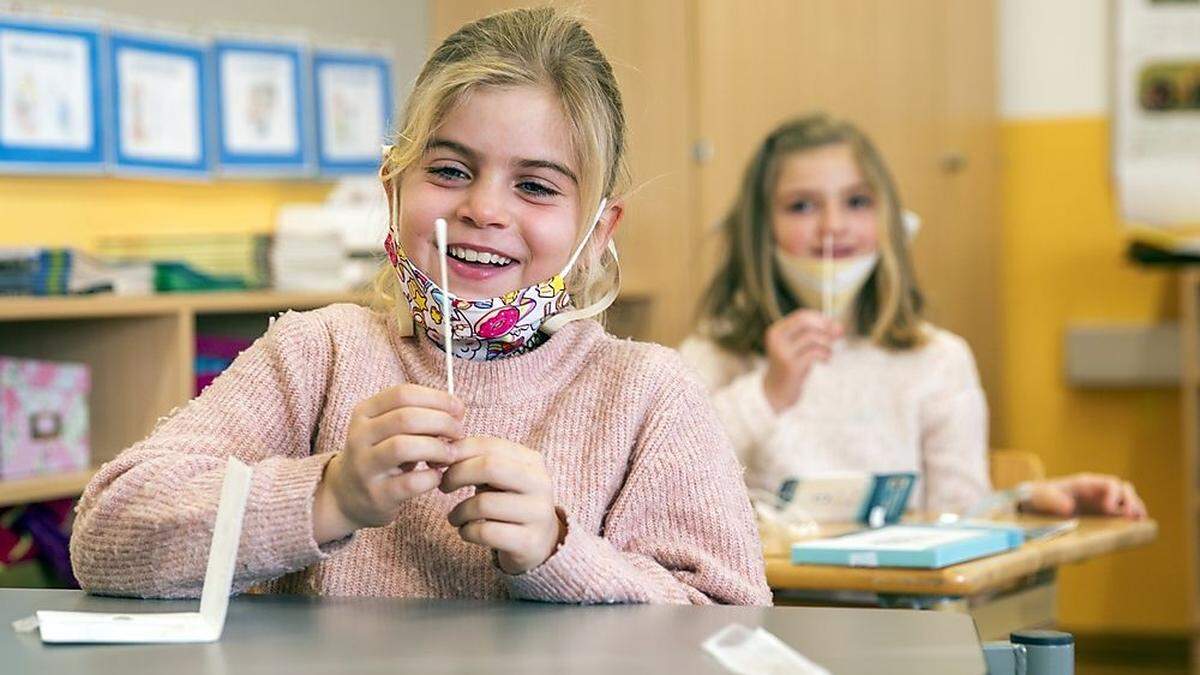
448, 172
802, 206
536, 189
861, 202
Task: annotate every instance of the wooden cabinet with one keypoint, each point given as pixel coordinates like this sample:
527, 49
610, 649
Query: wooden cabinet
141, 353
919, 78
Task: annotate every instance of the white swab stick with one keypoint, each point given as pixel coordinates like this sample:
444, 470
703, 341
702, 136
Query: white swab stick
827, 286
439, 227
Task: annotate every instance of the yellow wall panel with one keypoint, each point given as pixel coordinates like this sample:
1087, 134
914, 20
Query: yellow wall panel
75, 211
1064, 263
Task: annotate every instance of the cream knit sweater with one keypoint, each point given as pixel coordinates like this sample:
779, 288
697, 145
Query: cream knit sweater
866, 409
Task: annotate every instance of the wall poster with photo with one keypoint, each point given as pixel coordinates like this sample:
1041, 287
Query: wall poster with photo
50, 96
262, 108
160, 96
1156, 130
354, 110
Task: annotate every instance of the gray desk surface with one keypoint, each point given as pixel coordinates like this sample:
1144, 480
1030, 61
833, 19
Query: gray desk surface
297, 635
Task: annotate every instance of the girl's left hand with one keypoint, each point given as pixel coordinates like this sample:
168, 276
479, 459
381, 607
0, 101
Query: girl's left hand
1086, 494
513, 509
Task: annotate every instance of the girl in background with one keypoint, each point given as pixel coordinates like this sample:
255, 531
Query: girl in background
813, 344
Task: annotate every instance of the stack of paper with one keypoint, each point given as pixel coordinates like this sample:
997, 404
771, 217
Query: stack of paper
332, 246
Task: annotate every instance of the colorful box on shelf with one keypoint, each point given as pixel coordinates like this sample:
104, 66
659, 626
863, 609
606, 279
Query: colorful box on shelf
43, 417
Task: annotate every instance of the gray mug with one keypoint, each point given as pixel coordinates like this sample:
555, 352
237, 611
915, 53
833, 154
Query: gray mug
1032, 652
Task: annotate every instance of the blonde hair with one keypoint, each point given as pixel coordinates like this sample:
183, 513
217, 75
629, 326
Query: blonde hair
748, 293
540, 47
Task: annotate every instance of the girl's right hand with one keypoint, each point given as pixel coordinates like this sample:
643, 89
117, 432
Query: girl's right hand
397, 446
794, 344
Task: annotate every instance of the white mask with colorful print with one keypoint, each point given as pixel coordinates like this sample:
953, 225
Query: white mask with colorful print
493, 328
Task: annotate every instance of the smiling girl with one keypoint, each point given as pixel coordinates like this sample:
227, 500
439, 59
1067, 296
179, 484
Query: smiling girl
571, 466
814, 347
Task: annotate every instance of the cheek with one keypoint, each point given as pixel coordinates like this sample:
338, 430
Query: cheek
550, 241
865, 226
793, 232
418, 209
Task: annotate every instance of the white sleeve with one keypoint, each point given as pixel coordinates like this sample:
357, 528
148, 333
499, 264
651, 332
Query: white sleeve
736, 389
954, 434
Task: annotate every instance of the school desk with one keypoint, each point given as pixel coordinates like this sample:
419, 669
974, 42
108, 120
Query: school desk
300, 635
1003, 593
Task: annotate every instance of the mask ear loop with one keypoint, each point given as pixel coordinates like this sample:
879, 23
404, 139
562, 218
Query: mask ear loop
406, 329
555, 323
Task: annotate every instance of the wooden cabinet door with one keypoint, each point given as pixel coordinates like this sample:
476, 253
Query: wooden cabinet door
918, 76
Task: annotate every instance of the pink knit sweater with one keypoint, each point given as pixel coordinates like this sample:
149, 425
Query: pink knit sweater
656, 509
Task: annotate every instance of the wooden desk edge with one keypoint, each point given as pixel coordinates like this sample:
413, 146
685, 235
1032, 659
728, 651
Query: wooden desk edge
969, 578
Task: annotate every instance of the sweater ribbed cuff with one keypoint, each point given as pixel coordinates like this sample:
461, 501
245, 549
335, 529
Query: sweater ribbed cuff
283, 515
582, 570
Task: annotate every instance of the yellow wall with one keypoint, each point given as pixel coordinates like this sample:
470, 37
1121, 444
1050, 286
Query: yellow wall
74, 211
1063, 263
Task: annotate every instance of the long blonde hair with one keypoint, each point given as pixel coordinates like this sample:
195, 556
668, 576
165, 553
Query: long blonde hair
540, 47
748, 293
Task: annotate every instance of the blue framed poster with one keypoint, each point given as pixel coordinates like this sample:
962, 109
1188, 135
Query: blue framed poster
50, 96
353, 94
262, 108
160, 94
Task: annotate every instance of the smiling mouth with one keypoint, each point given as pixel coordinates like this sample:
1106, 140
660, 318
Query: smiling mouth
471, 256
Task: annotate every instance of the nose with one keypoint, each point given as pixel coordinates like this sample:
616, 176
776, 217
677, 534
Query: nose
484, 205
833, 221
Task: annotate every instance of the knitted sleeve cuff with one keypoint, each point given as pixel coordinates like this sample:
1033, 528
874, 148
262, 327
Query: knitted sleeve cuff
279, 517
584, 569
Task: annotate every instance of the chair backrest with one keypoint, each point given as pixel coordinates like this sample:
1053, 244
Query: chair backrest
1010, 467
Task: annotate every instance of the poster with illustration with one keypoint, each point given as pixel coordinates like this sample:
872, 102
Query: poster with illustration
159, 93
49, 96
262, 102
1156, 132
354, 105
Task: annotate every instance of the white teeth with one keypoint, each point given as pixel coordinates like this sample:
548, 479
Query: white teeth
471, 255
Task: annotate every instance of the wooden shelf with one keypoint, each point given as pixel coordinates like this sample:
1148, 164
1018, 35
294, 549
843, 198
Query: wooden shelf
23, 308
44, 488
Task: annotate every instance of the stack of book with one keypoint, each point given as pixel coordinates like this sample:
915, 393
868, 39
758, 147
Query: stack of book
239, 259
62, 271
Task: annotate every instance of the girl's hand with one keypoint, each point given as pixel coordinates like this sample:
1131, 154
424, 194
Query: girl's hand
1085, 493
513, 509
794, 344
396, 445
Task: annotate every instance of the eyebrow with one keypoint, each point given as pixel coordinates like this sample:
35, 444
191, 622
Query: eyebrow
455, 146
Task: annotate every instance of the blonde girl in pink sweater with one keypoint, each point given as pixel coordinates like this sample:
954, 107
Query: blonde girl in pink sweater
570, 466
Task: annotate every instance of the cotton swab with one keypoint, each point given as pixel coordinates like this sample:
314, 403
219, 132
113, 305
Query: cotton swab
827, 280
439, 227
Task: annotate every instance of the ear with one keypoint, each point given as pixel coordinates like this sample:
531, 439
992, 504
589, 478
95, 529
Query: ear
609, 220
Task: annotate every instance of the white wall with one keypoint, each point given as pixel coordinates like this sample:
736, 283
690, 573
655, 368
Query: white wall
1055, 57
